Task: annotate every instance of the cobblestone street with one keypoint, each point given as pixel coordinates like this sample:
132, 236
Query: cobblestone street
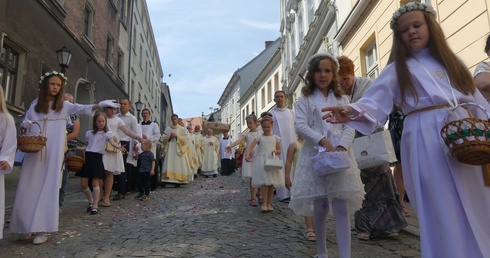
209, 217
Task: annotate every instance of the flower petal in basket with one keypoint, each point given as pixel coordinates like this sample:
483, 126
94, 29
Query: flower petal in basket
325, 162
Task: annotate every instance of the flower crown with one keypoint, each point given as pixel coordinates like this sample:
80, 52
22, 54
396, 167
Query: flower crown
327, 55
412, 6
53, 73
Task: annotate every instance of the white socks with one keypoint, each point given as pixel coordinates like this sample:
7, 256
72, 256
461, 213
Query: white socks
96, 196
88, 194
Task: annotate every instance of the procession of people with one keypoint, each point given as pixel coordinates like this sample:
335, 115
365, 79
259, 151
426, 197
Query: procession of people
282, 158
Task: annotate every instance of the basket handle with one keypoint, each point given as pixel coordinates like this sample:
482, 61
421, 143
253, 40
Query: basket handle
466, 107
23, 131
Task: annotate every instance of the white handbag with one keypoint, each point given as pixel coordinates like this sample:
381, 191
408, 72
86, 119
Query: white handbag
374, 150
329, 162
273, 163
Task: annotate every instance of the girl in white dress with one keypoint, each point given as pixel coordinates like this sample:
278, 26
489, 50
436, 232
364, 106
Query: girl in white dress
269, 145
424, 77
114, 161
36, 200
247, 168
94, 166
342, 190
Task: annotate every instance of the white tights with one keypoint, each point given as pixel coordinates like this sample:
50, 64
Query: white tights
342, 226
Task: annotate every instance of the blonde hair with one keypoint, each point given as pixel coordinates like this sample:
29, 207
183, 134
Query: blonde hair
146, 142
458, 73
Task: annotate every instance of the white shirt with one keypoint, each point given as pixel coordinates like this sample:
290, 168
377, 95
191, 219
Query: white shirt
96, 142
152, 133
131, 123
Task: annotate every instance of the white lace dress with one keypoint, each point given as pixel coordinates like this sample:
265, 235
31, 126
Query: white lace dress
306, 185
260, 177
247, 168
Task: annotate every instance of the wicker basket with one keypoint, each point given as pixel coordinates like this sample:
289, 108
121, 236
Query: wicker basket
30, 143
75, 163
468, 139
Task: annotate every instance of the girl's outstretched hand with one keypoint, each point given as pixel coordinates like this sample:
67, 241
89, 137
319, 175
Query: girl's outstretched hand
337, 114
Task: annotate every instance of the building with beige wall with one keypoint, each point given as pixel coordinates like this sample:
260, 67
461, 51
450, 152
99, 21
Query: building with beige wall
366, 38
360, 29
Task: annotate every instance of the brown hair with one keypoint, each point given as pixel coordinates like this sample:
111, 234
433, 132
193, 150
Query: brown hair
94, 123
313, 67
487, 45
458, 73
42, 105
346, 66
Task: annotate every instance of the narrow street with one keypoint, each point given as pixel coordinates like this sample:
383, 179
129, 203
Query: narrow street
209, 217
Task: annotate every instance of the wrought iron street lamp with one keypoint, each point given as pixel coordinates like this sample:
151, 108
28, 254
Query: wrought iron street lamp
64, 57
139, 106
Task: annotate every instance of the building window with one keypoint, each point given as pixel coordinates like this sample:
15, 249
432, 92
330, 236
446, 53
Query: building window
371, 59
293, 46
263, 97
301, 33
109, 50
253, 105
134, 40
124, 11
311, 10
88, 21
11, 61
276, 82
141, 57
269, 92
120, 64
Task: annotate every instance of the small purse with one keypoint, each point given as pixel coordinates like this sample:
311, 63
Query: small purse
374, 150
109, 147
273, 163
330, 162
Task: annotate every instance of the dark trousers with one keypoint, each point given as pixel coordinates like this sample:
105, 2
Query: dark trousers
144, 182
226, 167
130, 171
154, 178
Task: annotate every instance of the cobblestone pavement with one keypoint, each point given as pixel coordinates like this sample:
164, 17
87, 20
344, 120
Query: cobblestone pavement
209, 217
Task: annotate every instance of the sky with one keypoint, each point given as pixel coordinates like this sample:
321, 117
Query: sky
201, 43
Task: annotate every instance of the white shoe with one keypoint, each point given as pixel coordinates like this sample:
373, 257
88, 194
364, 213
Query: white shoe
25, 236
40, 238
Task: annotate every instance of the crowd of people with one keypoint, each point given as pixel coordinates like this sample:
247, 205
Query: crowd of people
335, 107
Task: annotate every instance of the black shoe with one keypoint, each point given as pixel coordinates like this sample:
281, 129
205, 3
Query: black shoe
89, 208
139, 196
94, 211
119, 197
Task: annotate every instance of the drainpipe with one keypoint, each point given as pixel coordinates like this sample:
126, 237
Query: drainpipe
130, 89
